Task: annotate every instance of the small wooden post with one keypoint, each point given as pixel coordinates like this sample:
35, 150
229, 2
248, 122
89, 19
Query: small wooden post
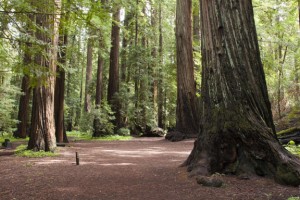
77, 158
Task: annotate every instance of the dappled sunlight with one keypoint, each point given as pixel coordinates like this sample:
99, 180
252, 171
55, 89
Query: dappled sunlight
143, 152
117, 164
48, 162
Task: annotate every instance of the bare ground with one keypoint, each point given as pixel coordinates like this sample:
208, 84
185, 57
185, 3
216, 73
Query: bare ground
140, 169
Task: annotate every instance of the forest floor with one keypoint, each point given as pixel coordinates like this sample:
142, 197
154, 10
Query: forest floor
139, 169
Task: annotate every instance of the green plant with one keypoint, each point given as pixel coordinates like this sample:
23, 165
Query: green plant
5, 135
123, 132
114, 138
294, 198
106, 116
23, 152
77, 135
294, 149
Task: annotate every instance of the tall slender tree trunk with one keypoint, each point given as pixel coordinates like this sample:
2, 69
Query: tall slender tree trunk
160, 92
186, 112
99, 84
88, 77
237, 131
21, 131
113, 84
154, 66
82, 78
43, 125
23, 114
59, 99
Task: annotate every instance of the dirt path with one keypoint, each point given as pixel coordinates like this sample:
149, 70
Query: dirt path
141, 169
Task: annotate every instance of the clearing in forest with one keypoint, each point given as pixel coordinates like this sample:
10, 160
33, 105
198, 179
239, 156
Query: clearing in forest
138, 169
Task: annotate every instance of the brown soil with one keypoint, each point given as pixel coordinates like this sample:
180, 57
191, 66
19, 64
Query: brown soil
141, 169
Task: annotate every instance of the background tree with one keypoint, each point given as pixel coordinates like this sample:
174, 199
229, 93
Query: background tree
186, 111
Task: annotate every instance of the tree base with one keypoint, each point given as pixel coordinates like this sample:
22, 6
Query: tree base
238, 156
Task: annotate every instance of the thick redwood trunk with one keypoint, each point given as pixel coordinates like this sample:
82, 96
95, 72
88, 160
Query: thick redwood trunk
43, 124
186, 112
113, 84
237, 132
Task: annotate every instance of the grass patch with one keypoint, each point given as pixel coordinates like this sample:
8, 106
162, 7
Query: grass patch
9, 136
23, 152
114, 138
294, 198
77, 135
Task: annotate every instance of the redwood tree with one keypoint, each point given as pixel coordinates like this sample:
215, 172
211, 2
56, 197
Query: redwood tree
237, 131
186, 112
43, 126
113, 84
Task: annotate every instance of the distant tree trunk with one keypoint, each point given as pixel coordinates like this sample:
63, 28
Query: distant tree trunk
113, 84
82, 78
160, 92
59, 98
154, 66
125, 71
88, 77
186, 112
137, 67
43, 125
237, 131
99, 87
21, 131
196, 24
143, 80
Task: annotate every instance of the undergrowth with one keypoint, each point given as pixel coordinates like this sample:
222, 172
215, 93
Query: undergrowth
293, 148
9, 136
23, 152
77, 135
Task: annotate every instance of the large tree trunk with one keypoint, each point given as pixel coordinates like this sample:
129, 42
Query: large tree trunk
186, 112
43, 125
113, 84
237, 131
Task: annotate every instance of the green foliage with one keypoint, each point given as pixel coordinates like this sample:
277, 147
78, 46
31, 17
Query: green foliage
106, 116
76, 135
294, 149
123, 132
114, 138
23, 152
5, 135
293, 198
